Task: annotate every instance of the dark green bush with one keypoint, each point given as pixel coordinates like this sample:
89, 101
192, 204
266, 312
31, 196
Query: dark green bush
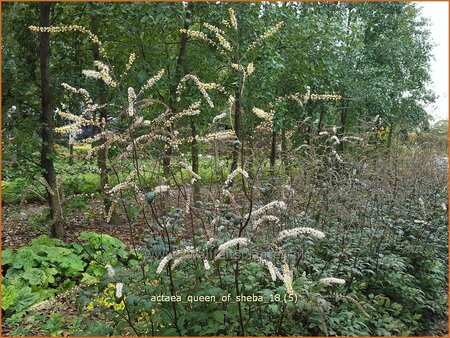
48, 266
34, 273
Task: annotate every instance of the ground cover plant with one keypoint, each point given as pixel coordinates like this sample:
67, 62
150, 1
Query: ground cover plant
222, 175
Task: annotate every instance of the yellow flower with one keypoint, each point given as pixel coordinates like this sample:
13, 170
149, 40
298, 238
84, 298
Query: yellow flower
89, 307
120, 306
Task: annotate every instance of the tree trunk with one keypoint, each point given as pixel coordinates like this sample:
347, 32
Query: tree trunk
47, 125
273, 150
102, 155
237, 146
180, 70
71, 141
237, 129
344, 112
390, 135
195, 160
321, 122
194, 144
284, 159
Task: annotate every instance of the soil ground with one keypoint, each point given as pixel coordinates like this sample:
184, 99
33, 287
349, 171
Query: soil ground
18, 228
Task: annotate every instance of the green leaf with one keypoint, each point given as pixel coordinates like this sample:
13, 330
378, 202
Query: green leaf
273, 308
7, 256
73, 264
54, 254
47, 241
25, 258
50, 273
25, 298
35, 276
171, 331
9, 296
218, 316
95, 269
89, 279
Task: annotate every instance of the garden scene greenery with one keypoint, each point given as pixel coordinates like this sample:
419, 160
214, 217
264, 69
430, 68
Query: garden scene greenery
236, 169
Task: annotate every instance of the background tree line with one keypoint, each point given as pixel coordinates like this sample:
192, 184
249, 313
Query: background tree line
375, 55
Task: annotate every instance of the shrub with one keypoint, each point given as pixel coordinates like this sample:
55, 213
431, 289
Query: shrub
33, 273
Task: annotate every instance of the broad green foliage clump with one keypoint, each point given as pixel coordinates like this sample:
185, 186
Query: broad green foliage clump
101, 250
36, 272
49, 266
